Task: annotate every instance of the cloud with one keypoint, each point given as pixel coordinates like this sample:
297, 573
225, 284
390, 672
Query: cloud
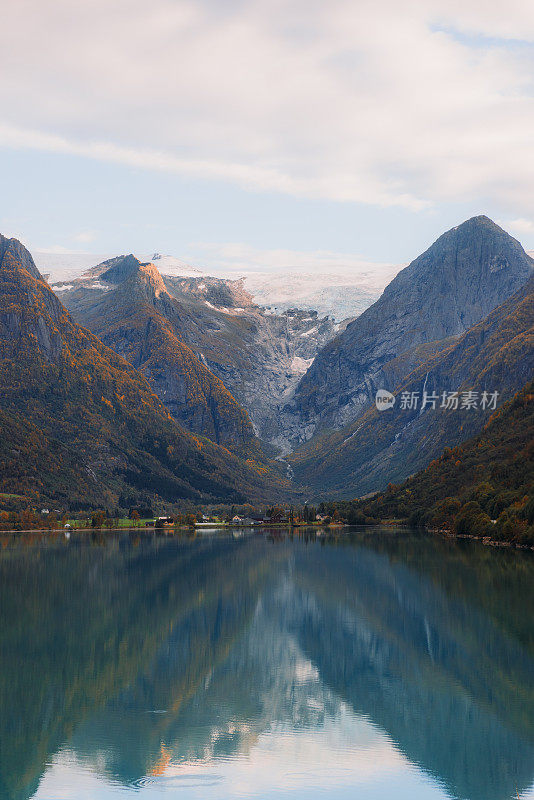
406, 104
519, 225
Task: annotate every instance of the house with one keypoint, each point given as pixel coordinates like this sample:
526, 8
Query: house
279, 517
45, 511
162, 521
237, 520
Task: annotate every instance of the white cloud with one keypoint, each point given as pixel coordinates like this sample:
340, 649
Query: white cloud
387, 103
519, 225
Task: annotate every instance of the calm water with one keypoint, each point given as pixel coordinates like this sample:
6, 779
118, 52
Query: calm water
372, 665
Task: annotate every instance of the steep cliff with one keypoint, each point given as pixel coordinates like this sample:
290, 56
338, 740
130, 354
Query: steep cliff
459, 280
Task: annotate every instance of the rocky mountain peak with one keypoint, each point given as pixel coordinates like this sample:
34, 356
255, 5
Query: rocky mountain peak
147, 275
14, 254
476, 256
117, 270
467, 272
132, 272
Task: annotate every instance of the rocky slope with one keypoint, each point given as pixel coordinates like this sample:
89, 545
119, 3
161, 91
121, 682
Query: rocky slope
496, 355
460, 279
165, 325
101, 432
126, 304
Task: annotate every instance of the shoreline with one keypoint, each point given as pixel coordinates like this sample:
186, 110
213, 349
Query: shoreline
168, 529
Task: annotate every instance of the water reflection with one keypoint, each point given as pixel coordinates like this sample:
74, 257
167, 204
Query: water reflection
249, 666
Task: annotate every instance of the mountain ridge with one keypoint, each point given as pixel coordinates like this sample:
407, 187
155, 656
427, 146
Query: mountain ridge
95, 411
137, 317
497, 354
257, 356
455, 283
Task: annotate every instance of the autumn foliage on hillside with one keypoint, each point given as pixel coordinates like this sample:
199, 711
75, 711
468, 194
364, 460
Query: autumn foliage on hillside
138, 319
89, 424
482, 488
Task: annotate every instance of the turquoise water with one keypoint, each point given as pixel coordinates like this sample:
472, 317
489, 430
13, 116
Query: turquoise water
375, 664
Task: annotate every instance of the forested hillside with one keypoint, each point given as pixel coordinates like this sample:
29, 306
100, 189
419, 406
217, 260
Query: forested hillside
484, 487
81, 426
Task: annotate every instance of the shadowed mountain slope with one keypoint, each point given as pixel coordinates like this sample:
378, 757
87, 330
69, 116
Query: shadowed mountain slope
101, 430
137, 318
489, 477
458, 281
258, 355
496, 355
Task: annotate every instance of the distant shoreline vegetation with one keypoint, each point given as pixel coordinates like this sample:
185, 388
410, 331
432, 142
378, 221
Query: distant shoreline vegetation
482, 489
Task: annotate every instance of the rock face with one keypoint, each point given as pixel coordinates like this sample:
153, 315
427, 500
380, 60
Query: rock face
460, 279
496, 355
232, 370
126, 304
260, 356
216, 359
88, 427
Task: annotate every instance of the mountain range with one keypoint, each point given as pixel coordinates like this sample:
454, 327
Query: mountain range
185, 388
458, 281
180, 331
81, 425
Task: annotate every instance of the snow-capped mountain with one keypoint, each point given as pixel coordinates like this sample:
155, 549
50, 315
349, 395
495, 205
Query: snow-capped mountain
338, 291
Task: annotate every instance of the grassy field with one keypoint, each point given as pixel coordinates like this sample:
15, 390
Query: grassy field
122, 522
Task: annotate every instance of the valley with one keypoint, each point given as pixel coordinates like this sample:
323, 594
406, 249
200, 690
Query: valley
287, 393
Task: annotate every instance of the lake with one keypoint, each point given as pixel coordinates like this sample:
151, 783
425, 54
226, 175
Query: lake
374, 664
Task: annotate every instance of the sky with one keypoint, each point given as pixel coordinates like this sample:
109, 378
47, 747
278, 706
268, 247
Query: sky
289, 132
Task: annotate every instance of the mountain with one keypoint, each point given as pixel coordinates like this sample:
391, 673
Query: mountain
334, 285
458, 281
182, 331
489, 477
136, 316
496, 355
100, 433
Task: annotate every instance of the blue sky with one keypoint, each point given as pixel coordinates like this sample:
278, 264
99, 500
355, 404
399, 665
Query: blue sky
361, 129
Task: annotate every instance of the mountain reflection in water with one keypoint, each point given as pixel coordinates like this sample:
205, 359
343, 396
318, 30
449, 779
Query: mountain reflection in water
365, 665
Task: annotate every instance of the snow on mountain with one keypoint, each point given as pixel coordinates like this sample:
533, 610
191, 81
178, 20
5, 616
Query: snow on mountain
339, 291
